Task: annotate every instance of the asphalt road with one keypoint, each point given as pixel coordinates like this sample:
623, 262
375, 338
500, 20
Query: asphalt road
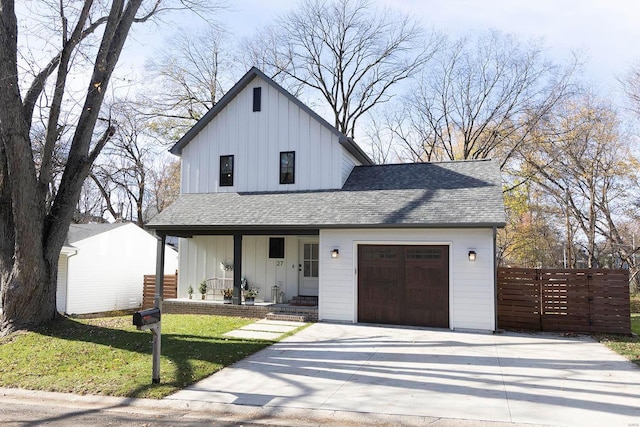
23, 408
38, 414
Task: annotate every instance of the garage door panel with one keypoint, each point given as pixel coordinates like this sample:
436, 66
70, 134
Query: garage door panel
406, 285
379, 297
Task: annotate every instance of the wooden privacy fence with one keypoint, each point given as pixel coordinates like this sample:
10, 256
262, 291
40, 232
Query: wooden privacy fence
564, 300
169, 290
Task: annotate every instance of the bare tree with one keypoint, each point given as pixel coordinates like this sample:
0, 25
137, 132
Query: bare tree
532, 237
347, 52
35, 214
480, 99
630, 83
587, 169
121, 172
188, 78
91, 206
164, 185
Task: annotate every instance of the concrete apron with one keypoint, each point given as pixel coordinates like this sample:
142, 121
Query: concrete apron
544, 379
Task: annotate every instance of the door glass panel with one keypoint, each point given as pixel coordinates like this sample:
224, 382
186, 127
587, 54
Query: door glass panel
423, 253
380, 253
307, 269
310, 262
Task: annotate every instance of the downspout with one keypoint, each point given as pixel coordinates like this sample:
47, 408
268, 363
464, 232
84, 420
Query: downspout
495, 279
66, 279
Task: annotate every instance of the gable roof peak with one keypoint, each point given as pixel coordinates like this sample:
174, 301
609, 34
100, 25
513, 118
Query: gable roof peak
249, 76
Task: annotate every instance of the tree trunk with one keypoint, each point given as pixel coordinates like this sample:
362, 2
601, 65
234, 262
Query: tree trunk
31, 292
31, 238
28, 269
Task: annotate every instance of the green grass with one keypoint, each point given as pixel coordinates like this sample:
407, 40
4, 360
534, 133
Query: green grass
108, 356
629, 347
635, 303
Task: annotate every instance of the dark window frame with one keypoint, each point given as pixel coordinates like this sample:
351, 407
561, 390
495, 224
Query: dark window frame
226, 174
288, 172
276, 247
257, 99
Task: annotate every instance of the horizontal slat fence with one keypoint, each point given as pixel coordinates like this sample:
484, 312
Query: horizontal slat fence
569, 300
169, 289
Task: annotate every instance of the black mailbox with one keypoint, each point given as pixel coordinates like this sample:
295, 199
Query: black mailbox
146, 318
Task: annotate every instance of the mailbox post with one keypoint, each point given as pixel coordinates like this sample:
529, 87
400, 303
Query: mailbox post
150, 319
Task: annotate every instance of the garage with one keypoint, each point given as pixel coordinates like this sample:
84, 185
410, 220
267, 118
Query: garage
404, 285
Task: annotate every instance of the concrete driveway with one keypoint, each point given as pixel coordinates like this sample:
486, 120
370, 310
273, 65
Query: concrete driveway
545, 379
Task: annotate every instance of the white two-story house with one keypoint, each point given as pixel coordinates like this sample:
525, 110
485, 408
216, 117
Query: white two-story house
272, 189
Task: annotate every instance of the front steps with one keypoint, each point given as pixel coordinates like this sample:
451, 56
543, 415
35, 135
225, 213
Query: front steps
287, 317
304, 301
294, 313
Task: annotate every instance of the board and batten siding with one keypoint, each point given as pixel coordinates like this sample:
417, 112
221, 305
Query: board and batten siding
348, 163
471, 284
108, 269
255, 139
200, 258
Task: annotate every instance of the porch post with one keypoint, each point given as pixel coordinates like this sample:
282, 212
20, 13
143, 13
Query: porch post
237, 269
157, 298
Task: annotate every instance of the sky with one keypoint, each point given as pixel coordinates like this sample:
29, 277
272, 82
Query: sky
605, 32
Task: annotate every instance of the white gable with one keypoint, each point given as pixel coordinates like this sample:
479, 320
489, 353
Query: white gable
256, 139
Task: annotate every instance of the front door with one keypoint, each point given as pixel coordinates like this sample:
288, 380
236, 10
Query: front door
308, 268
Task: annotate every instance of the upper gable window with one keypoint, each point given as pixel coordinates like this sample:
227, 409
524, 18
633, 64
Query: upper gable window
226, 171
287, 167
257, 98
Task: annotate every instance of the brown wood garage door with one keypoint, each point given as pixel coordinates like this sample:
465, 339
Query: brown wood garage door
403, 285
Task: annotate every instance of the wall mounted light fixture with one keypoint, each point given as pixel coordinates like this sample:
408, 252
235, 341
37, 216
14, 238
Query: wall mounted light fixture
335, 253
472, 255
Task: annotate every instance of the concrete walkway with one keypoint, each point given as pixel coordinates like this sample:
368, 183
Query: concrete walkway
541, 379
265, 330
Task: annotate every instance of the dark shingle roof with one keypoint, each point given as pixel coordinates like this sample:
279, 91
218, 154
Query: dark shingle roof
448, 194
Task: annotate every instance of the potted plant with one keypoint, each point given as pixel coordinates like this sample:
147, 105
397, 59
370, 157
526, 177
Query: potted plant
228, 295
203, 288
190, 291
250, 295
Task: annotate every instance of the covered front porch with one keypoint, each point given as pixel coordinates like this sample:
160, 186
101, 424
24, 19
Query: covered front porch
279, 265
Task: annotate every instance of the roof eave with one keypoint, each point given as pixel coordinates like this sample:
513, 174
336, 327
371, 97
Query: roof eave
190, 230
355, 150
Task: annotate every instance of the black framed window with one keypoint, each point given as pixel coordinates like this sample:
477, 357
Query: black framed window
226, 171
276, 247
257, 98
287, 167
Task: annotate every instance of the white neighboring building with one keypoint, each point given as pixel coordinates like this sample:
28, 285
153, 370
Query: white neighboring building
101, 268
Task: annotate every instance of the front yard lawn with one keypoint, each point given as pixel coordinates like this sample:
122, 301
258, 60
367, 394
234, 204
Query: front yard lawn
108, 356
629, 347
